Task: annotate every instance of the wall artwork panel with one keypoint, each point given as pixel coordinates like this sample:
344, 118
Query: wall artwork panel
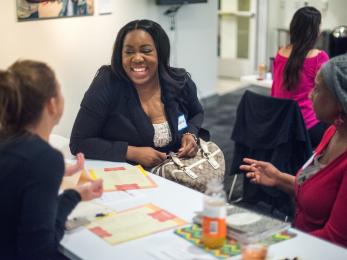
28, 10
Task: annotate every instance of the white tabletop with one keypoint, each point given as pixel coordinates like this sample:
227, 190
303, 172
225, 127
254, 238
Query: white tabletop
183, 202
253, 79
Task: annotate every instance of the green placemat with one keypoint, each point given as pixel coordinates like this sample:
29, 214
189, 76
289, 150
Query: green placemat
231, 247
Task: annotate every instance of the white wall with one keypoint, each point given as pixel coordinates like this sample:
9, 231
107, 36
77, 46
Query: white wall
76, 47
273, 24
335, 14
196, 42
282, 11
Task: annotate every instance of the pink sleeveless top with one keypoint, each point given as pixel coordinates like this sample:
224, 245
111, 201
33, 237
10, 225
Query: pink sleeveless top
306, 83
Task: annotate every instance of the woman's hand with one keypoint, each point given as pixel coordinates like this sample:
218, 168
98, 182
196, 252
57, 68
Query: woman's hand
259, 172
146, 156
90, 190
189, 147
78, 166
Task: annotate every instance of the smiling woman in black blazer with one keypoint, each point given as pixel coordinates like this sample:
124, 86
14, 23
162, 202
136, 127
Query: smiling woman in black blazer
139, 108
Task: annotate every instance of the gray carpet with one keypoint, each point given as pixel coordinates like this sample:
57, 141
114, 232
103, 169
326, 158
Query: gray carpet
220, 120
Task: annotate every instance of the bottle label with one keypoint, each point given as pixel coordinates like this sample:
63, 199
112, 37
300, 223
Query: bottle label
214, 227
215, 211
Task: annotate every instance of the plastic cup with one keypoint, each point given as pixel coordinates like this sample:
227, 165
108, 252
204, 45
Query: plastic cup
253, 251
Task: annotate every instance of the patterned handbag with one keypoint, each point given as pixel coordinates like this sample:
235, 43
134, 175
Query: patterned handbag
194, 172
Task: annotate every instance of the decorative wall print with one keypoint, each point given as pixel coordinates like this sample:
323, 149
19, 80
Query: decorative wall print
45, 9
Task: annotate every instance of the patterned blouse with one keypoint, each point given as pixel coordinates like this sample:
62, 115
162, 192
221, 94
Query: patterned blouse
310, 170
162, 134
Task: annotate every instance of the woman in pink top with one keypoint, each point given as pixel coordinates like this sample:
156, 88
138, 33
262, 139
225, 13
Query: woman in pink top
296, 66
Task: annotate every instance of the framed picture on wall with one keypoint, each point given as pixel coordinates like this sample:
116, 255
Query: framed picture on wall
45, 9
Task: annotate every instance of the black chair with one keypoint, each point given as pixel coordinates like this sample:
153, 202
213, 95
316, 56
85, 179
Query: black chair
338, 41
272, 130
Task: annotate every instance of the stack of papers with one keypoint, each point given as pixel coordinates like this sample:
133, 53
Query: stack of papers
246, 225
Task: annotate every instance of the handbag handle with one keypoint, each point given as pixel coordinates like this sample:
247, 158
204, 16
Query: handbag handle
207, 154
182, 167
204, 147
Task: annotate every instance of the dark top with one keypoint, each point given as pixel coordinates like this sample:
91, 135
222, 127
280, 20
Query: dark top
111, 117
32, 214
272, 130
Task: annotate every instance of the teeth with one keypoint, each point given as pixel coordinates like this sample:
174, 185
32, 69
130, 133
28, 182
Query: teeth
139, 69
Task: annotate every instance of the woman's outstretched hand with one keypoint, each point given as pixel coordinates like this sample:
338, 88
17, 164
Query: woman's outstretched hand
260, 172
90, 190
78, 166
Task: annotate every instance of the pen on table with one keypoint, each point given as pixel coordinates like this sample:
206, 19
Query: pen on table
98, 215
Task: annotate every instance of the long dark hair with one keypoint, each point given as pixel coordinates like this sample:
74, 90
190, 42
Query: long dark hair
24, 89
304, 31
172, 76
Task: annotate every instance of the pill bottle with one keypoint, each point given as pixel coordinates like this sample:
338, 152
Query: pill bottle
214, 215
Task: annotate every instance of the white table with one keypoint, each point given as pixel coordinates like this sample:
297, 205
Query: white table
253, 79
182, 201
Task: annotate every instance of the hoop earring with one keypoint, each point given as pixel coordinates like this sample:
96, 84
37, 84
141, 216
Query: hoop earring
339, 121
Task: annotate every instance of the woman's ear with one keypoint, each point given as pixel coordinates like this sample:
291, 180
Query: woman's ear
52, 106
55, 107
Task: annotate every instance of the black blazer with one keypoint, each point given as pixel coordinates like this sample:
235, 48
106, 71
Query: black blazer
111, 117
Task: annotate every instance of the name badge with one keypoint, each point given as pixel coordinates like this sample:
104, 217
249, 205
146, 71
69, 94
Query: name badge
309, 162
182, 123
